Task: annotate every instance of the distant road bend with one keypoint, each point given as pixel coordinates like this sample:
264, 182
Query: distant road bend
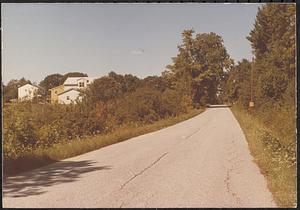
201, 162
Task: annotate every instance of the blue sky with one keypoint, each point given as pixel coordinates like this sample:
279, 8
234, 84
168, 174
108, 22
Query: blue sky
42, 39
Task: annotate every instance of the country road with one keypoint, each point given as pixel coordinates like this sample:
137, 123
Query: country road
201, 162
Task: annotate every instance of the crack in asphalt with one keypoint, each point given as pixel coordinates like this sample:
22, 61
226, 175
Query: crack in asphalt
145, 169
122, 204
227, 180
193, 133
229, 190
206, 122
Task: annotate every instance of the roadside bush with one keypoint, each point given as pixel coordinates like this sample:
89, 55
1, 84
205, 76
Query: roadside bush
141, 106
50, 134
28, 126
19, 133
173, 104
111, 102
146, 105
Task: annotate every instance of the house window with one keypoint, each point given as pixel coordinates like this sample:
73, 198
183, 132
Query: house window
81, 84
56, 92
68, 97
87, 81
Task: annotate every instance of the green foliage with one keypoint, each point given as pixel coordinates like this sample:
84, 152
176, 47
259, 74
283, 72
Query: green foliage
104, 89
273, 72
110, 87
110, 102
74, 74
273, 42
198, 69
237, 85
51, 81
146, 105
155, 82
29, 126
173, 103
128, 82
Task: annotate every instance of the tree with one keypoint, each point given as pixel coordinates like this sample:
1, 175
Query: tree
75, 74
103, 89
237, 84
128, 82
273, 43
199, 67
155, 82
142, 105
51, 81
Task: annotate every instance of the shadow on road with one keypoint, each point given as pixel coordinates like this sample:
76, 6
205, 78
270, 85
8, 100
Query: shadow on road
34, 182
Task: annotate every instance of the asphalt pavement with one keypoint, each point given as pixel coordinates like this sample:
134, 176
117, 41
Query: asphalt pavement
201, 162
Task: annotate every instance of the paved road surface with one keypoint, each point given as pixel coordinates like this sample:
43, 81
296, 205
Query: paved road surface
201, 162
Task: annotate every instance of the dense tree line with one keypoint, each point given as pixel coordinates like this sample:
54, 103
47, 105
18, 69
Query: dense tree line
273, 42
109, 102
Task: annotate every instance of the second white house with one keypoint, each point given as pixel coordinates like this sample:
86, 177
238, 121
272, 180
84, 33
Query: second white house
70, 91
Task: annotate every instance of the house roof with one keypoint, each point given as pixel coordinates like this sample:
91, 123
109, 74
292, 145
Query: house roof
30, 85
69, 90
56, 87
74, 80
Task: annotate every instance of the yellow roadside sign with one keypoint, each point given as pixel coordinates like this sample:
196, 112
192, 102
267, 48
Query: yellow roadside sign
251, 104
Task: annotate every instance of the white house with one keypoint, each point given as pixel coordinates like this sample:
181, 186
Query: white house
71, 89
77, 82
27, 92
69, 96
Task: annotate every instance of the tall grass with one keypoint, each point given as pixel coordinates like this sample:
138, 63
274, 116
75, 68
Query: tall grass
41, 157
273, 149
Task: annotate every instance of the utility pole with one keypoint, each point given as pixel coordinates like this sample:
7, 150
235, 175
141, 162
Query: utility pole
251, 103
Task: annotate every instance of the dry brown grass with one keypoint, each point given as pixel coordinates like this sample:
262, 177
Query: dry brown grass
276, 161
61, 151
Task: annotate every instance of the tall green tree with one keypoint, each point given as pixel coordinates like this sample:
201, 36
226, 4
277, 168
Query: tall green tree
128, 82
273, 43
103, 89
199, 66
51, 81
237, 84
75, 74
155, 82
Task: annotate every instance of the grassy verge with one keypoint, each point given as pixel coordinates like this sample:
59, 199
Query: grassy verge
276, 161
58, 152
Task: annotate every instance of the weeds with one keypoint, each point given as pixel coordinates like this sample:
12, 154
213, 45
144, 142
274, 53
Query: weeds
275, 155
